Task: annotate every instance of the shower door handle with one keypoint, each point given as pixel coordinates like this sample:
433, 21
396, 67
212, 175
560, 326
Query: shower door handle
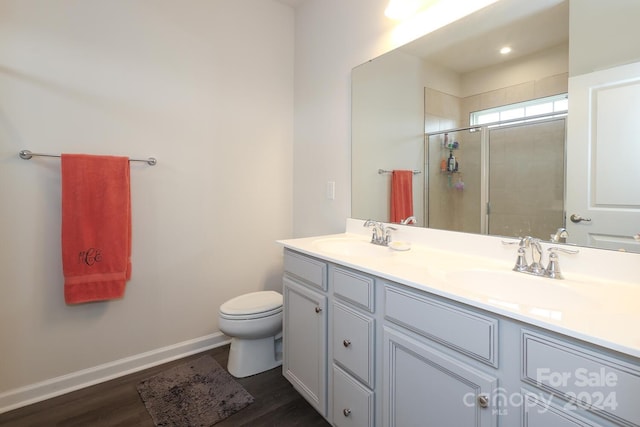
577, 218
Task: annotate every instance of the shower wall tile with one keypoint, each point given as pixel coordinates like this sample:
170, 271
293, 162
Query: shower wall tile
552, 85
518, 93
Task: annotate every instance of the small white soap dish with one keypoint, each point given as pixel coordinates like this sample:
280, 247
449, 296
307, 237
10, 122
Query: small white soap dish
399, 246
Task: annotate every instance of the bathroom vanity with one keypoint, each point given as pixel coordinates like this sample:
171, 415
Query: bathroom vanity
444, 337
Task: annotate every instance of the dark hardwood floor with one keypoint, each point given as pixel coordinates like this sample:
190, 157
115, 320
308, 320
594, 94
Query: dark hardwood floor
117, 403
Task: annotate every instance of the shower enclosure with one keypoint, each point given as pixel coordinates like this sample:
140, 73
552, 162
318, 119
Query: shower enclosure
505, 178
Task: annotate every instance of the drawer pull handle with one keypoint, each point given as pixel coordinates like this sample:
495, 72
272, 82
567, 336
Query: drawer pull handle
318, 309
346, 343
346, 412
483, 401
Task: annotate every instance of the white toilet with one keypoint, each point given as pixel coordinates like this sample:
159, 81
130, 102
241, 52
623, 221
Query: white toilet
254, 323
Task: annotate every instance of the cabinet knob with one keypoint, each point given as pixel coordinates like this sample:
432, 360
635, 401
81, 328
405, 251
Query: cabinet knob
346, 343
483, 401
346, 412
318, 309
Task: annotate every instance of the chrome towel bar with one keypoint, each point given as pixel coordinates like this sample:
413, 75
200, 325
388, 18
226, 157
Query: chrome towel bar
26, 155
381, 171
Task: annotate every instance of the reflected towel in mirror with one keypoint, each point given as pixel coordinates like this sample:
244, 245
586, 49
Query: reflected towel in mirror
401, 195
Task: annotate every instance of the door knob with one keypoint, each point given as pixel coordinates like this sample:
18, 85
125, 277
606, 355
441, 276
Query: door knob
346, 343
346, 412
318, 309
577, 218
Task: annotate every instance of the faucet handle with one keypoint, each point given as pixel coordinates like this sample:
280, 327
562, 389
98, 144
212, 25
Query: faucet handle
387, 234
553, 269
554, 249
374, 236
521, 261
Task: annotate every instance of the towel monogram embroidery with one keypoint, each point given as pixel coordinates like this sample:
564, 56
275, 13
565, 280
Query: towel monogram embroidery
90, 256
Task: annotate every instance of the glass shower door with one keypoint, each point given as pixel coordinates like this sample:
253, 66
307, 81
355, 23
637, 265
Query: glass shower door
454, 184
526, 178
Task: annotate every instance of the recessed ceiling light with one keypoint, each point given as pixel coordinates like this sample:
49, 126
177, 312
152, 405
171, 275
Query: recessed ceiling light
505, 50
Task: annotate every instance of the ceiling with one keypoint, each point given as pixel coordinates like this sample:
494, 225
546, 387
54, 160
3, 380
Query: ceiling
473, 42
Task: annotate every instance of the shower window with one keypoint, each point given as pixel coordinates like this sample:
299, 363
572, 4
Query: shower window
535, 107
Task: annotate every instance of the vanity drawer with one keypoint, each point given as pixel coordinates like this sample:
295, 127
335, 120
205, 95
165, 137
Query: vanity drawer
352, 287
352, 341
536, 413
597, 382
352, 403
307, 269
465, 331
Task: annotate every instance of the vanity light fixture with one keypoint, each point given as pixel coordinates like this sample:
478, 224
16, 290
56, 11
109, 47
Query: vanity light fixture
419, 17
402, 9
505, 50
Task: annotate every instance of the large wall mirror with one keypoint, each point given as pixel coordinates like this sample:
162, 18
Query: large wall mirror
483, 133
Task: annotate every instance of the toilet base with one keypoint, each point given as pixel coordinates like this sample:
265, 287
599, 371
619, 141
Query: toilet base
249, 357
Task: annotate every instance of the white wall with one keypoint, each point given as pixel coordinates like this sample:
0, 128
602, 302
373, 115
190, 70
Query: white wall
388, 122
206, 87
602, 34
332, 37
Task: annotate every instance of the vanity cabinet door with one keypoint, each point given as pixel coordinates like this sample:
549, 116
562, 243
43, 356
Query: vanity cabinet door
424, 387
305, 342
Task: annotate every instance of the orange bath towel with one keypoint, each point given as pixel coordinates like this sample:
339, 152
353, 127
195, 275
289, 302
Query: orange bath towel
401, 195
96, 227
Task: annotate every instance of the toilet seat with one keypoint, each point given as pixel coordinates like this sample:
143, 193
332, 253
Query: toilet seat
253, 305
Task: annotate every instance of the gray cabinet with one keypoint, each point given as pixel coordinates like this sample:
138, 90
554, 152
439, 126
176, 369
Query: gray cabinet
425, 387
305, 329
352, 348
353, 403
587, 380
422, 382
368, 352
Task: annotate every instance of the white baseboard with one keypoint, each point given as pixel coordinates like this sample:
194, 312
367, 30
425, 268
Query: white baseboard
53, 387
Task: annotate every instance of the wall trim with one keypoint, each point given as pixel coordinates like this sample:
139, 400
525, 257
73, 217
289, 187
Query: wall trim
57, 386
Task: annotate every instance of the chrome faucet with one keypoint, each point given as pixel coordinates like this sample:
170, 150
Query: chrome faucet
409, 220
381, 235
560, 236
535, 267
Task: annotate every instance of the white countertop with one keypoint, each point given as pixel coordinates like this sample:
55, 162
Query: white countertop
601, 309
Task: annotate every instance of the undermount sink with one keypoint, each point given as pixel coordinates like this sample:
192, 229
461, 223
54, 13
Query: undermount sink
345, 246
510, 288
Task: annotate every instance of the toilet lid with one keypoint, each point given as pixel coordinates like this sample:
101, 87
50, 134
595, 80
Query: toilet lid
252, 303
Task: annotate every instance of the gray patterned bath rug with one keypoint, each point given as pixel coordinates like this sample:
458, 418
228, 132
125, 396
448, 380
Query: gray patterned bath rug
196, 393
